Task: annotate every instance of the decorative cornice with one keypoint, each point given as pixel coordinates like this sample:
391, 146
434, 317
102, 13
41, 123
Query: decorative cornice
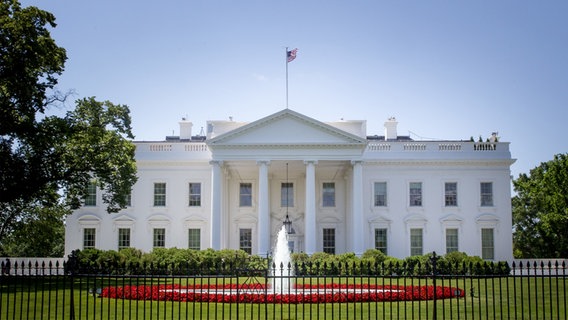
290, 146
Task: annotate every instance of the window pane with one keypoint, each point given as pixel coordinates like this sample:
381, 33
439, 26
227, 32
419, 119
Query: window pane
328, 194
287, 194
159, 194
129, 199
194, 241
245, 195
195, 194
415, 242
416, 194
123, 238
159, 237
91, 198
380, 194
487, 194
329, 240
89, 235
245, 240
487, 244
451, 194
381, 240
451, 240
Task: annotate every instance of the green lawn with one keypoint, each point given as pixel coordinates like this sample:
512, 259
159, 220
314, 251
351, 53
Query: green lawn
493, 298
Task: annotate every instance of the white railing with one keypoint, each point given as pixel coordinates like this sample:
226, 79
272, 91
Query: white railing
450, 147
171, 147
414, 147
160, 147
437, 146
196, 147
379, 147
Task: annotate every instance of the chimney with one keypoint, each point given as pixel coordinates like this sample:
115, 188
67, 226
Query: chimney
185, 129
390, 129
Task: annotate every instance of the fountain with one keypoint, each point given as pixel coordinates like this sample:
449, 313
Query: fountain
281, 268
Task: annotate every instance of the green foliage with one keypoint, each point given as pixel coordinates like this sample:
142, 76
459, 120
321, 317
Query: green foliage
164, 261
30, 62
540, 211
374, 256
43, 157
37, 232
98, 147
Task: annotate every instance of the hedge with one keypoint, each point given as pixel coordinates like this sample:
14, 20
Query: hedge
175, 261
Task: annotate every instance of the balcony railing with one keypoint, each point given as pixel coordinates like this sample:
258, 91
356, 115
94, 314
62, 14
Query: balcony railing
437, 146
171, 147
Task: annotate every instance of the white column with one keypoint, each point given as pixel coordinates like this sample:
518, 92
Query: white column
216, 197
263, 209
310, 240
357, 221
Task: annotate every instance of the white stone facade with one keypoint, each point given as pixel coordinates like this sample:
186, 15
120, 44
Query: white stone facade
346, 192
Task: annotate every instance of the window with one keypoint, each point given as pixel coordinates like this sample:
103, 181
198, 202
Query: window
381, 240
451, 240
245, 240
328, 196
451, 194
160, 194
194, 239
416, 242
159, 238
287, 195
89, 235
486, 194
91, 197
329, 240
487, 244
380, 194
129, 199
415, 194
245, 195
123, 238
194, 194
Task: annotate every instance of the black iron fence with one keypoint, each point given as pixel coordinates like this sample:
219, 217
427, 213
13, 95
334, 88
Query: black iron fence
530, 290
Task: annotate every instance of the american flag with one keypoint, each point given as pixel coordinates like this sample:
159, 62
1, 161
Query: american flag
291, 55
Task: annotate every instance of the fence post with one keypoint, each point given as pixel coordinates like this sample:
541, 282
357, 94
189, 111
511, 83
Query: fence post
434, 259
71, 268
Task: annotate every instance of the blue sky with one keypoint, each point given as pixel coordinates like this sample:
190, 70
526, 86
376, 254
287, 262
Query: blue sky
444, 69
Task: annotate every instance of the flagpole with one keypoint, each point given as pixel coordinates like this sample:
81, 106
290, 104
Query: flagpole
286, 60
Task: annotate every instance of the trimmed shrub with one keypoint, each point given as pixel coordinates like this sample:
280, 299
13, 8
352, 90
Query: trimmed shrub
175, 261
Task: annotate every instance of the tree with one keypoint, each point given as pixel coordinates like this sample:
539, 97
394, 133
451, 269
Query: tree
39, 232
540, 211
98, 149
29, 63
44, 157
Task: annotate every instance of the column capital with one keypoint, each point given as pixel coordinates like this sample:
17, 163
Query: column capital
356, 162
216, 162
314, 162
263, 162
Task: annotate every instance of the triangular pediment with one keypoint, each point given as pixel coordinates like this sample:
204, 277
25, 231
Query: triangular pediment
286, 128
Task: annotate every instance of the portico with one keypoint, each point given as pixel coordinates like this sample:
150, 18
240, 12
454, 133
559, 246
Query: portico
321, 194
314, 154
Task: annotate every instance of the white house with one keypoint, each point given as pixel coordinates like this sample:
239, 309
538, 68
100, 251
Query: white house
342, 190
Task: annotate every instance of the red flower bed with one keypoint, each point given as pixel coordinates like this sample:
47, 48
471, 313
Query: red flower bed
258, 293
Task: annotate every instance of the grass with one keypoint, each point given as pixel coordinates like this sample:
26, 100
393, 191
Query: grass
493, 298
